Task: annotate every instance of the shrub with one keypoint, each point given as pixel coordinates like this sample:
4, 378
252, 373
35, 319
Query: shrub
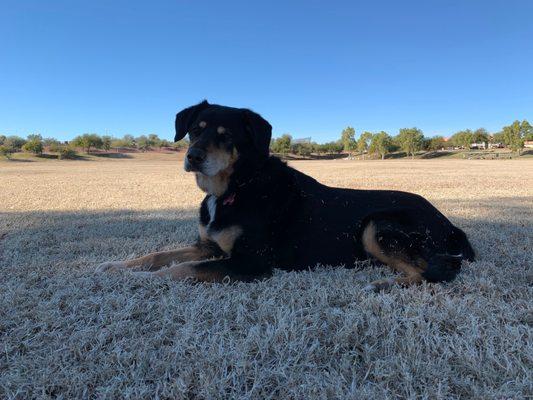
6, 151
14, 142
106, 142
66, 153
87, 141
34, 146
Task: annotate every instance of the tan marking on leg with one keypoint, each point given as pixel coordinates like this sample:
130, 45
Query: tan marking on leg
188, 270
154, 261
397, 262
382, 284
202, 232
226, 238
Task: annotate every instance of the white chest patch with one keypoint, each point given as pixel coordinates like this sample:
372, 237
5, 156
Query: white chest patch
212, 207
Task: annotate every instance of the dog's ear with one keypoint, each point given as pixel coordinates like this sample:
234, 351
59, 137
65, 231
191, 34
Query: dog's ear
260, 131
185, 118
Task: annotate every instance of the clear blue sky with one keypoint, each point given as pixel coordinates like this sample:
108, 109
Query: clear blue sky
310, 67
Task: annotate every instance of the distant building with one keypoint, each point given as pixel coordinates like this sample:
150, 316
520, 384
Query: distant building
528, 144
306, 140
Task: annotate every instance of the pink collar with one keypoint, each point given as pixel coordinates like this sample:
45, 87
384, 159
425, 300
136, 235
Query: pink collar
228, 201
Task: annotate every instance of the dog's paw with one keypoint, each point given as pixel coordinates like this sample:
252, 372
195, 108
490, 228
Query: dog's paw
379, 285
111, 266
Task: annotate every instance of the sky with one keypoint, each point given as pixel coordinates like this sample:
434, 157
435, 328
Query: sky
309, 67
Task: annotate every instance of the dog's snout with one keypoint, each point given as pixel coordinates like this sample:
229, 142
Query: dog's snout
196, 156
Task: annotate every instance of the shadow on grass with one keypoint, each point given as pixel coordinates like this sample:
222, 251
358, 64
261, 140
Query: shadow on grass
20, 160
85, 238
436, 154
111, 155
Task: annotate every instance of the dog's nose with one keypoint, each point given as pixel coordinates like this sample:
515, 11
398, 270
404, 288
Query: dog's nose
195, 156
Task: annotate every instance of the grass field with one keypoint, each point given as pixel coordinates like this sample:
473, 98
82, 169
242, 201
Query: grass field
66, 332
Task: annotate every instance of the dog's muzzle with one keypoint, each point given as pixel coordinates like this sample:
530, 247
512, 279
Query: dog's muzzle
194, 159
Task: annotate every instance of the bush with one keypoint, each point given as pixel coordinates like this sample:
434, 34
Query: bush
55, 147
88, 140
282, 144
181, 144
34, 146
66, 153
14, 142
302, 149
6, 151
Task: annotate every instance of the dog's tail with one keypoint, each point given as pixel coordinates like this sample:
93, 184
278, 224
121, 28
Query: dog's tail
444, 267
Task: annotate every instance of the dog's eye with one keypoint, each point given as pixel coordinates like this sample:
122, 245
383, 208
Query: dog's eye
195, 130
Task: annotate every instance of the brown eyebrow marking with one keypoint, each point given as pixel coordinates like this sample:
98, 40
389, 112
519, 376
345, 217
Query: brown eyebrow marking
221, 129
202, 124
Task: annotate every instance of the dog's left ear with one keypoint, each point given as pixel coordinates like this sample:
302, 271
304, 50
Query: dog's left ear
186, 117
260, 131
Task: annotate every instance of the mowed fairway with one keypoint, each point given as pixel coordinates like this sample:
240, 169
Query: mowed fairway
67, 332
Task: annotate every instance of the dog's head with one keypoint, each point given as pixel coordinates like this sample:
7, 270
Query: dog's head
220, 135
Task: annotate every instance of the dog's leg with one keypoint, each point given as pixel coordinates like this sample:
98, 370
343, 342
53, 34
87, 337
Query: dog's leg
220, 270
383, 284
390, 250
154, 261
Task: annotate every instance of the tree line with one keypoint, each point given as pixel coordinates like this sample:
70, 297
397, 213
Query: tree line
408, 140
36, 144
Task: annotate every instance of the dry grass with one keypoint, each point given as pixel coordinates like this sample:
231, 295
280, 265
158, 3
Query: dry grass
66, 332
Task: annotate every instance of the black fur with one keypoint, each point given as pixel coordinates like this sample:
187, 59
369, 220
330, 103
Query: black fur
291, 221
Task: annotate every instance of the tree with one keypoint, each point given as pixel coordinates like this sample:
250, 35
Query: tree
125, 141
34, 136
496, 137
55, 147
436, 143
381, 144
282, 144
302, 149
515, 134
2, 139
164, 143
463, 139
15, 143
88, 140
34, 145
410, 140
5, 151
348, 139
332, 147
527, 130
106, 142
128, 141
66, 153
181, 144
481, 136
363, 142
154, 140
143, 143
51, 142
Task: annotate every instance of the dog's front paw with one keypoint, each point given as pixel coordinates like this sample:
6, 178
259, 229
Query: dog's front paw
379, 285
111, 266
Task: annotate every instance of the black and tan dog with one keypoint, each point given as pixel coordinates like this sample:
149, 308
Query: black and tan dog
260, 214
